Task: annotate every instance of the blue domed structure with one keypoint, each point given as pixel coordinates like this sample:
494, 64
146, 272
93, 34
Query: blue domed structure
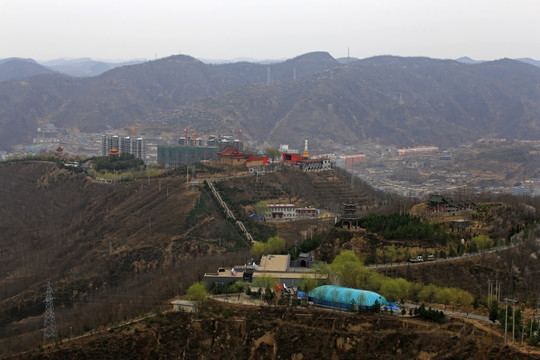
345, 298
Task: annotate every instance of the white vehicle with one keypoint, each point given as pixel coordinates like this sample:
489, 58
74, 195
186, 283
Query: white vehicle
419, 258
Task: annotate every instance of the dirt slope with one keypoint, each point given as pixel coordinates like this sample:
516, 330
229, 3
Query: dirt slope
240, 332
100, 243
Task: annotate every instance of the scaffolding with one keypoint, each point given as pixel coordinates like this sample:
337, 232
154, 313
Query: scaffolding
171, 156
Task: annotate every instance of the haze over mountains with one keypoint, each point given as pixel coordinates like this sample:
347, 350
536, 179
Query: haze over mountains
390, 100
17, 68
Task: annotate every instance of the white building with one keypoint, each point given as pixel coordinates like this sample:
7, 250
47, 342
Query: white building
281, 211
124, 145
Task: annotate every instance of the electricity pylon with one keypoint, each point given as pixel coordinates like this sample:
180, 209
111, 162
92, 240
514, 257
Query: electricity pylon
49, 329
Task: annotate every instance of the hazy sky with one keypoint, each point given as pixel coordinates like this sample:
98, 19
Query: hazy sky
270, 29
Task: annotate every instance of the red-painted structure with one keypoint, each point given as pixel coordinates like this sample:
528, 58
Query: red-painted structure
258, 160
291, 157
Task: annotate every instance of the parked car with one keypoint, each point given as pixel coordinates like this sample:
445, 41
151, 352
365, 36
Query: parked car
419, 258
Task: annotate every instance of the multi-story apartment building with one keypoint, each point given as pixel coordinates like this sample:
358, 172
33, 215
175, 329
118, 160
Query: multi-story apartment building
124, 145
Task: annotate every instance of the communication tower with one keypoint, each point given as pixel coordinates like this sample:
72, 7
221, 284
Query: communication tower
268, 77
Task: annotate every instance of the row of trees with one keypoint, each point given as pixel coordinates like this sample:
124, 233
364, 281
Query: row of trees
348, 270
390, 254
121, 162
274, 245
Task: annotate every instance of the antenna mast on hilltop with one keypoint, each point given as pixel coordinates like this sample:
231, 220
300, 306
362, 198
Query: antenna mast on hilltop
49, 332
268, 78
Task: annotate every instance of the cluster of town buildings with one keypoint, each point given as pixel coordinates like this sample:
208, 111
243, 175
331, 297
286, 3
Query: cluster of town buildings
117, 145
378, 166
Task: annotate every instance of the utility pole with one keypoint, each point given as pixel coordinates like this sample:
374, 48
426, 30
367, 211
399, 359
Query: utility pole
513, 321
49, 329
513, 301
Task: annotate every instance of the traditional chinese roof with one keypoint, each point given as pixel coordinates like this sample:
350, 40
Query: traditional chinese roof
230, 151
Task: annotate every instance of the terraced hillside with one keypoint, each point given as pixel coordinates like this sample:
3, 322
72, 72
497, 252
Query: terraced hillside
325, 190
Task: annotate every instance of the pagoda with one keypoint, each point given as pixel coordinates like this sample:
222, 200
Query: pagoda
349, 217
113, 152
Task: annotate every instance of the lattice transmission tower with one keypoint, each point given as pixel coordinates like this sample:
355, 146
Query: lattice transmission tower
49, 329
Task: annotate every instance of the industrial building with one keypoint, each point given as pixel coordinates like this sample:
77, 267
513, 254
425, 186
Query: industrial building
123, 145
345, 298
171, 156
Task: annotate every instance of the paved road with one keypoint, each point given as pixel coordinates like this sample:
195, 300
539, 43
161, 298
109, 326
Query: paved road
454, 313
456, 258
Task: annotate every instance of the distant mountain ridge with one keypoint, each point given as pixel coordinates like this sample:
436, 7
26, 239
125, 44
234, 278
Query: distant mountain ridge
18, 68
468, 60
387, 99
85, 67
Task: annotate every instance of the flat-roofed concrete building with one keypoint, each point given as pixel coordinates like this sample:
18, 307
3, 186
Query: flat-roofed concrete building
281, 211
315, 165
276, 266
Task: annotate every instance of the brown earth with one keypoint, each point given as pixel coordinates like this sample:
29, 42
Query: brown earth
100, 245
225, 331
